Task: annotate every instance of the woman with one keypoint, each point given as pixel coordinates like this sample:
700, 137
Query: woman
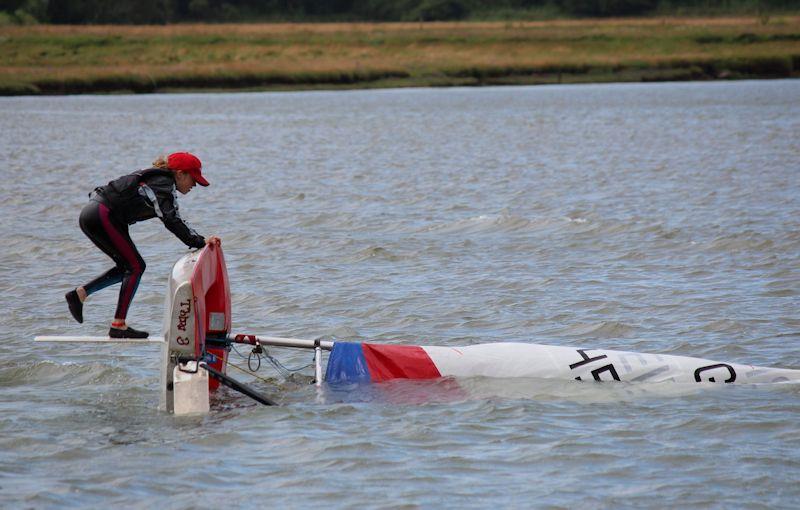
139, 196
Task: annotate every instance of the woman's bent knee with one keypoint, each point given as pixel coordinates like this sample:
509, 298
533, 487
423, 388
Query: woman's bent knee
136, 269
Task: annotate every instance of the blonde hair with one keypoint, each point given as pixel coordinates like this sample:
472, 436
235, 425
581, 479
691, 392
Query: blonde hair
161, 162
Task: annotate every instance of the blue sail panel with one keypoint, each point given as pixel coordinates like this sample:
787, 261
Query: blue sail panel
347, 364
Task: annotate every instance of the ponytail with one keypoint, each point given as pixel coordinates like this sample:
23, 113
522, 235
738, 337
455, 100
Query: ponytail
161, 162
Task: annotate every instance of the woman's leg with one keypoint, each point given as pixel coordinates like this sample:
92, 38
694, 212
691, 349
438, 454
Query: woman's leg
133, 262
92, 226
113, 239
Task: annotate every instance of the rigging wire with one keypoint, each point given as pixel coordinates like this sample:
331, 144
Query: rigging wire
258, 351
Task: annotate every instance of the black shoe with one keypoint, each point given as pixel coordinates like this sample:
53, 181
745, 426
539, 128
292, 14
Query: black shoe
127, 333
75, 305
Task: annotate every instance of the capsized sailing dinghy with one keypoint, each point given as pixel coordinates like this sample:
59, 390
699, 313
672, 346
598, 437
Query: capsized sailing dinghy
197, 339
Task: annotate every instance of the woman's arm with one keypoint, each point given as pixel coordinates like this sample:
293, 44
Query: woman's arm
164, 190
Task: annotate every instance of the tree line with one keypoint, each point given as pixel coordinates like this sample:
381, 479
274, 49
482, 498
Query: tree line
176, 11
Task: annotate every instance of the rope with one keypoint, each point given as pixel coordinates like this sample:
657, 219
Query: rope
256, 353
237, 367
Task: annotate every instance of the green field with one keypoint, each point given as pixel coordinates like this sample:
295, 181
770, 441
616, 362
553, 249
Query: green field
49, 59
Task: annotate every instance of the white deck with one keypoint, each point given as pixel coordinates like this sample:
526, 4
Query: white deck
100, 339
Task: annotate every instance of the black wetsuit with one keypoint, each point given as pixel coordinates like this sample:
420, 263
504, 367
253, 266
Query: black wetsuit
139, 196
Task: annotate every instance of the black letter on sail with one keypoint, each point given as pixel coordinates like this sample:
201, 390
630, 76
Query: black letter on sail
596, 372
712, 367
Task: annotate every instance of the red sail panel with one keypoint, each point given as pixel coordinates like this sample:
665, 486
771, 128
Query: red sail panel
398, 362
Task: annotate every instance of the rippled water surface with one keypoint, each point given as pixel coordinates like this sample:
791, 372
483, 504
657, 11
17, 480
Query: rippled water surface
658, 218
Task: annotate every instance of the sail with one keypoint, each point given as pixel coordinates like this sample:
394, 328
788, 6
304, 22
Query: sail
368, 362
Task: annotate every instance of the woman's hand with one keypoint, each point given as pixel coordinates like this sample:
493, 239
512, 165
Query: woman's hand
214, 240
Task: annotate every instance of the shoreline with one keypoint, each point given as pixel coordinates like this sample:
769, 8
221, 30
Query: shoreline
677, 76
687, 72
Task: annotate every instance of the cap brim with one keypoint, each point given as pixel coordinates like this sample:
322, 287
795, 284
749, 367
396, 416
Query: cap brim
201, 180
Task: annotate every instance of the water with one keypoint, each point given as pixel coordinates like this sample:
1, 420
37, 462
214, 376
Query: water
658, 218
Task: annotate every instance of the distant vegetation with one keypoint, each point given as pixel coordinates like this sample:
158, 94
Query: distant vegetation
226, 11
79, 46
52, 59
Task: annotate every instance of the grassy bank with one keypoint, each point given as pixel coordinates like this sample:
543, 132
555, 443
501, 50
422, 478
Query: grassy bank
68, 59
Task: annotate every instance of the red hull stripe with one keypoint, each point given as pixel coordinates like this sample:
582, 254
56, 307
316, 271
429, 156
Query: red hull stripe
398, 362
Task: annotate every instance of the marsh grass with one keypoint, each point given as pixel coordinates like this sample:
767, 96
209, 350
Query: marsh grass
67, 59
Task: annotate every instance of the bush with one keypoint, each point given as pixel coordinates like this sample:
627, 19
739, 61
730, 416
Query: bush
380, 10
26, 12
608, 8
439, 10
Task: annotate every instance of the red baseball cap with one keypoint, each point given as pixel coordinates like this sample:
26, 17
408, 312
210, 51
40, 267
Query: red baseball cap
188, 163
